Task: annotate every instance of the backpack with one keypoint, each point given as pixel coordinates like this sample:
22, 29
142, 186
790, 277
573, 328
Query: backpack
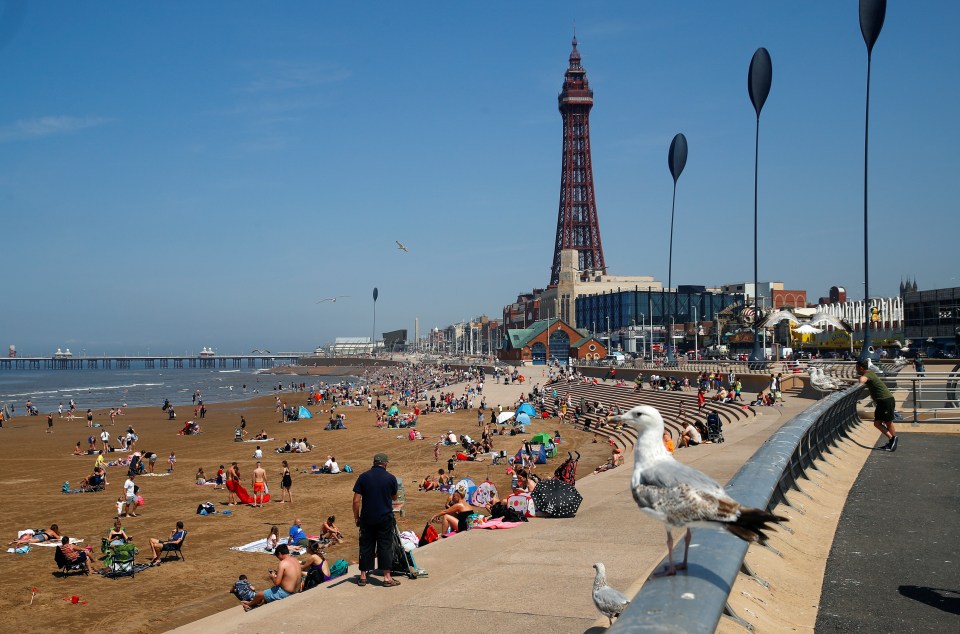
429, 535
339, 568
207, 508
347, 468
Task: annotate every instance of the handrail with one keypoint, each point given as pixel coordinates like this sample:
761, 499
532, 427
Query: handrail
664, 604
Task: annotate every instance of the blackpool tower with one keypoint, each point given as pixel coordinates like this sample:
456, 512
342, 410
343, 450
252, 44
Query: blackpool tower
577, 224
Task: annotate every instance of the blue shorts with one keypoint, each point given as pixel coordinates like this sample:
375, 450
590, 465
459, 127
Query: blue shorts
275, 593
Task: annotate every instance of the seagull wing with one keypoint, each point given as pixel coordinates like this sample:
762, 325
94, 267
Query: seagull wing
610, 601
669, 474
401, 246
830, 320
777, 316
325, 299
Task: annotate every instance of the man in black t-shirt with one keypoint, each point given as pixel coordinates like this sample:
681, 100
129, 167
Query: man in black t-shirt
373, 498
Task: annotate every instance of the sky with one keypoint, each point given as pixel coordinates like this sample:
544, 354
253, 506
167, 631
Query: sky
176, 175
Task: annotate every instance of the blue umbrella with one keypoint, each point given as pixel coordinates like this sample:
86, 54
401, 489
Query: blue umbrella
527, 408
523, 419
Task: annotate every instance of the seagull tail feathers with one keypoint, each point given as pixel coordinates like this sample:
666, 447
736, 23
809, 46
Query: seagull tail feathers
751, 524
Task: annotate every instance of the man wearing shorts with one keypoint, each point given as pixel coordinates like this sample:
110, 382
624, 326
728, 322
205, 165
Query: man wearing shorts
884, 402
259, 485
285, 580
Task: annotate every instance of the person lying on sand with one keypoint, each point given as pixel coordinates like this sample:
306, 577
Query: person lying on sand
37, 536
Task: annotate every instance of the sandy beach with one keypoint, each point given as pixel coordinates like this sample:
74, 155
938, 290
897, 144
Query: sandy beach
175, 593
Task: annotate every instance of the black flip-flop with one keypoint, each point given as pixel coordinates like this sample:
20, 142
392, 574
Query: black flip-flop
362, 582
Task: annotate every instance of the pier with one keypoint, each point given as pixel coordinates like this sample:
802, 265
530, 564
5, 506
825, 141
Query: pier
149, 362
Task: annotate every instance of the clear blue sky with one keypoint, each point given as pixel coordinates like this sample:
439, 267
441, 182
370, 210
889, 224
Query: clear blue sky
182, 174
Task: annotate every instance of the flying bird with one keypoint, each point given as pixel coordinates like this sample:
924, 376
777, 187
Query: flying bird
402, 247
680, 496
331, 299
610, 601
817, 319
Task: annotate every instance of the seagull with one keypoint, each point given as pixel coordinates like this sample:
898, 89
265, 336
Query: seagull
331, 299
402, 247
610, 601
680, 496
817, 319
820, 381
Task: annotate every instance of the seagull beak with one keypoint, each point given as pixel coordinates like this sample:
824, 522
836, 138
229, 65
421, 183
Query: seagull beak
613, 419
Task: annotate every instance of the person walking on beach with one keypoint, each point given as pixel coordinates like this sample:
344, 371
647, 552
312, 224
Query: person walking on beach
884, 403
259, 485
50, 423
373, 496
286, 481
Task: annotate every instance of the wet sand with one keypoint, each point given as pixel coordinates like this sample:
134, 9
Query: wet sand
179, 592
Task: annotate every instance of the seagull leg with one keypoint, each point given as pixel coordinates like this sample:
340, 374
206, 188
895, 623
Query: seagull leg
686, 549
670, 569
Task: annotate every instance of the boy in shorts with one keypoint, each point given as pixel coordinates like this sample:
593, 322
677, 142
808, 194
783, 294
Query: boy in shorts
885, 404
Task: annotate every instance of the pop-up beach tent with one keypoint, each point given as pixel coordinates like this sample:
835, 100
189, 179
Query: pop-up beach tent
304, 412
539, 454
527, 408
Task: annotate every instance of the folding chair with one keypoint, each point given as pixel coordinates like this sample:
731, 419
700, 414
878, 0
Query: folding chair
176, 548
66, 566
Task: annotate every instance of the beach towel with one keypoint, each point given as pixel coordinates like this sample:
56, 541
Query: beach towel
260, 546
53, 543
260, 440
498, 523
153, 475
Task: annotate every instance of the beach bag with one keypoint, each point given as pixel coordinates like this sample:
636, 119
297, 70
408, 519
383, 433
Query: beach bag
429, 535
207, 508
347, 468
339, 568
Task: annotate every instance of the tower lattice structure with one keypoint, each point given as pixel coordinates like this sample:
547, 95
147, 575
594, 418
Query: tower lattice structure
577, 224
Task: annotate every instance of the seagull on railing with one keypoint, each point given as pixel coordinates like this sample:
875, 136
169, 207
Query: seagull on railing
824, 383
331, 299
610, 601
402, 247
679, 495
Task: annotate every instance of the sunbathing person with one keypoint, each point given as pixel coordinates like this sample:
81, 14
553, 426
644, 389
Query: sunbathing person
272, 539
454, 517
429, 484
330, 531
315, 563
117, 535
158, 546
74, 554
78, 451
37, 536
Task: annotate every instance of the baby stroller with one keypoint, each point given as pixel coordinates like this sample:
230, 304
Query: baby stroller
714, 428
403, 562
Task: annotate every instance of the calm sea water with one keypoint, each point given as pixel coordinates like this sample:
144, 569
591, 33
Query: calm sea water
100, 389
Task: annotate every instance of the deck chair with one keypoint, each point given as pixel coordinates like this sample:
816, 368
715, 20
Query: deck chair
176, 549
120, 560
401, 499
66, 566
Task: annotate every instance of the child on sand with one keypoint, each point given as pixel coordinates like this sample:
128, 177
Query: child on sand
242, 589
219, 478
172, 460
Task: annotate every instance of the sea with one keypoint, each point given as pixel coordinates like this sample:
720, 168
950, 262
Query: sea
102, 389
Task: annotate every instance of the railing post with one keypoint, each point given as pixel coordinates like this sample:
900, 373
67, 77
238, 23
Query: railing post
914, 388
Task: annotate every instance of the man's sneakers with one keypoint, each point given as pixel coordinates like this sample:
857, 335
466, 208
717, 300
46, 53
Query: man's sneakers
892, 445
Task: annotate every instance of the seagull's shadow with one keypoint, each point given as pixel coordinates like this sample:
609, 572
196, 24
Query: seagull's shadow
940, 598
693, 571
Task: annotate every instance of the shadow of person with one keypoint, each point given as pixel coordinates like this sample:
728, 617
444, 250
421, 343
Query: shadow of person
940, 598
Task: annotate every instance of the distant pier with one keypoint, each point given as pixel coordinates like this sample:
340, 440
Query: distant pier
150, 362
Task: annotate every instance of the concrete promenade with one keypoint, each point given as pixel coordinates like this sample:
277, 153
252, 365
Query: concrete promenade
895, 562
534, 578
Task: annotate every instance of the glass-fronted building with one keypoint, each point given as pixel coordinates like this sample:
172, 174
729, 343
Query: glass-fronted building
932, 319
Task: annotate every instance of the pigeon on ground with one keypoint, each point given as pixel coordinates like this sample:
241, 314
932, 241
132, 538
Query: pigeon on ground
610, 601
679, 495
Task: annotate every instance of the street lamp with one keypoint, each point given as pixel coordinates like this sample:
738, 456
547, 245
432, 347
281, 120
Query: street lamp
676, 160
872, 13
376, 294
759, 78
643, 337
609, 342
696, 347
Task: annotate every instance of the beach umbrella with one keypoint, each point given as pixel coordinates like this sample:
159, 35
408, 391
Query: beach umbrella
504, 417
486, 492
556, 498
527, 408
523, 419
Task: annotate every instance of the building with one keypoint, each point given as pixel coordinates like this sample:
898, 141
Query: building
932, 319
577, 225
351, 347
772, 294
548, 341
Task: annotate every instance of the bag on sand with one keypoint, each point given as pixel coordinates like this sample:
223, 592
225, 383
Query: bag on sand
207, 508
429, 535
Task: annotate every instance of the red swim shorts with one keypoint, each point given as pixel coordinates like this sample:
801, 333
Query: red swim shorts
258, 487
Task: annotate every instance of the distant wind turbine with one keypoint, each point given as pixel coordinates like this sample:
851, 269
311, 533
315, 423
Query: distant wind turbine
402, 247
331, 299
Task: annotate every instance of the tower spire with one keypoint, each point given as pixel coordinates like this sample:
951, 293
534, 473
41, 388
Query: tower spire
577, 225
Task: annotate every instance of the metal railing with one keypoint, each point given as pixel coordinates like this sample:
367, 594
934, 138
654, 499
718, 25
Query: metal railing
933, 398
695, 600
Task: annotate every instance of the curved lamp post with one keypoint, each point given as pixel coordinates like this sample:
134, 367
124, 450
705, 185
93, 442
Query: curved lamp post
759, 78
376, 294
676, 160
872, 13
